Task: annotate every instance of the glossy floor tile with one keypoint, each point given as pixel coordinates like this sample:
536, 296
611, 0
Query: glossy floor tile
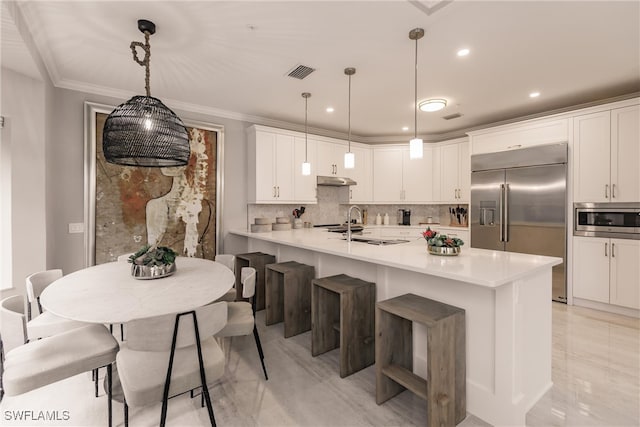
595, 372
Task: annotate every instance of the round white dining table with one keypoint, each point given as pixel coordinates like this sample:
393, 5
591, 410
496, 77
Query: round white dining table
107, 293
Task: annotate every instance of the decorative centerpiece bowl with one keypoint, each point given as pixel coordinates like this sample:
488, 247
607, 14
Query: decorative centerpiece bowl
153, 262
441, 244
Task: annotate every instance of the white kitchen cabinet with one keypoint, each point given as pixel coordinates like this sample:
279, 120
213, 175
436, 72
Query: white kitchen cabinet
330, 157
606, 153
304, 186
399, 179
270, 167
452, 174
362, 174
519, 135
607, 270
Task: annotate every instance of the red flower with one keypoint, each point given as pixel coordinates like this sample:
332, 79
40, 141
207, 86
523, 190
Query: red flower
428, 234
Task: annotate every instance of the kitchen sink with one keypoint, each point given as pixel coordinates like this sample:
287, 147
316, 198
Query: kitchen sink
378, 242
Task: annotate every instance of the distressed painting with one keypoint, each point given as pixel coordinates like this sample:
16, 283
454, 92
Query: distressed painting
170, 206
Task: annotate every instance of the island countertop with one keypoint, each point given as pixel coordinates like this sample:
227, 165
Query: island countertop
476, 266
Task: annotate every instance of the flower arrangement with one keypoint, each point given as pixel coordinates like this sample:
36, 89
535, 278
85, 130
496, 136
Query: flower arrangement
436, 239
151, 256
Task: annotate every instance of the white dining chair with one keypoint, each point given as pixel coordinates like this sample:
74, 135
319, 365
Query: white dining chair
228, 261
169, 355
45, 323
51, 359
242, 314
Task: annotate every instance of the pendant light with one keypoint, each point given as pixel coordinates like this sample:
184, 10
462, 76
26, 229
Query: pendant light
306, 166
349, 157
415, 145
143, 131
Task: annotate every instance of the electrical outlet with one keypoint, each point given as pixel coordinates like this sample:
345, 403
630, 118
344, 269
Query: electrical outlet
76, 227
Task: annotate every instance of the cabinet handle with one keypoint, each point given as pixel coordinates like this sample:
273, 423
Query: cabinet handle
613, 196
278, 191
274, 191
605, 249
350, 194
613, 250
606, 191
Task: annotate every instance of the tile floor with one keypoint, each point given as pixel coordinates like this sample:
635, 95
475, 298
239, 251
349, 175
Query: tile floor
596, 365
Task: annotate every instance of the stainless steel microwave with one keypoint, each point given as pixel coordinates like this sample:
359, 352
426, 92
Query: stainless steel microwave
619, 220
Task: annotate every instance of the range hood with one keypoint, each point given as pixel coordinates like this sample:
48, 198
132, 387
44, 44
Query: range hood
335, 181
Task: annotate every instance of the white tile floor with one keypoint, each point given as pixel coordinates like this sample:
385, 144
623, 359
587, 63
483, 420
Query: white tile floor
596, 367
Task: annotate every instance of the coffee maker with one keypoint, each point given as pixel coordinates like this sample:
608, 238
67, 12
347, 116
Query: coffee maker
404, 217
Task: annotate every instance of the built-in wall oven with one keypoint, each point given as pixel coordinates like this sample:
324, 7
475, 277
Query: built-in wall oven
617, 220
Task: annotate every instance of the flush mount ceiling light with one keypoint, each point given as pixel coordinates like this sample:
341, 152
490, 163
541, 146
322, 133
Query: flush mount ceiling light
349, 157
431, 105
306, 166
143, 131
415, 145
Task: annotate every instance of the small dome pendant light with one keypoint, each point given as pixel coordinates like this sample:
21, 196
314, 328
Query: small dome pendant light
143, 131
415, 145
349, 157
306, 166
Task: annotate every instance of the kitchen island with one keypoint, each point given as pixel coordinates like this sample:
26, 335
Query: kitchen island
506, 296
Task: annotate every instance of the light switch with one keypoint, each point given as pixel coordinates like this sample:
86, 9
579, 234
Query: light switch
76, 227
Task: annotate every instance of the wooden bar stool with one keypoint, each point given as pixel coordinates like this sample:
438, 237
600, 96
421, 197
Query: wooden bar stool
445, 387
288, 296
257, 260
342, 315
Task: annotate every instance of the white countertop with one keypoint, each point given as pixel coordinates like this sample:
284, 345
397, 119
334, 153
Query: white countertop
477, 266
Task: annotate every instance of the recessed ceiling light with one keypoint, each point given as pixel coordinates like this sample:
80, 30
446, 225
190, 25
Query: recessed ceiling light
463, 52
534, 94
431, 105
330, 110
405, 128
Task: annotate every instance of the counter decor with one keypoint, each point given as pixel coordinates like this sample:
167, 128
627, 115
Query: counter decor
441, 244
153, 262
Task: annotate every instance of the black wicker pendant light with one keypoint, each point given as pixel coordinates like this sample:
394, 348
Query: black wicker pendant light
143, 131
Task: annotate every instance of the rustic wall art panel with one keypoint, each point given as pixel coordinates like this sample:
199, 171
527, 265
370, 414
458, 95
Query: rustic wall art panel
173, 206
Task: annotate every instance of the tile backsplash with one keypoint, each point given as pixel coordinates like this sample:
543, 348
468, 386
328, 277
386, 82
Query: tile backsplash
333, 203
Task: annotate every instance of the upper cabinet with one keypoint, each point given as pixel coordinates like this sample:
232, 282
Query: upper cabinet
304, 186
397, 178
270, 167
451, 172
362, 174
606, 153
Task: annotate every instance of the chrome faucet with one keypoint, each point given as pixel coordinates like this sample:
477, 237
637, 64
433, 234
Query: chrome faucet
349, 220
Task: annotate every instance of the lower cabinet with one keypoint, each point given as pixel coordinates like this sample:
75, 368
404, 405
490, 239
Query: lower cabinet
607, 270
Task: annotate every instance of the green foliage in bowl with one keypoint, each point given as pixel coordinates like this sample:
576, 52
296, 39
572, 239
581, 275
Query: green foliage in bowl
438, 240
153, 256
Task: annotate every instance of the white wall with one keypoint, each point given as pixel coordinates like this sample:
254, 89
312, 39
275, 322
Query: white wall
65, 177
23, 105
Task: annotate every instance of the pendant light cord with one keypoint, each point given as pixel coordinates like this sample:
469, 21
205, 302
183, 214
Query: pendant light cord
146, 47
415, 93
306, 99
349, 114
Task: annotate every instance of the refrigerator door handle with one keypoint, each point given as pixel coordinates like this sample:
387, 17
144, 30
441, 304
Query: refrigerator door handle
506, 213
501, 211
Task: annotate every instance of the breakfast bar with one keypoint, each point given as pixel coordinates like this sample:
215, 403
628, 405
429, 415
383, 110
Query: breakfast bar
505, 296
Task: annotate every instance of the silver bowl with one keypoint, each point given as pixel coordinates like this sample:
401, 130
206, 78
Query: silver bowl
443, 251
144, 272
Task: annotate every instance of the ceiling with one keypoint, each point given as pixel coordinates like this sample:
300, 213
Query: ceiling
230, 59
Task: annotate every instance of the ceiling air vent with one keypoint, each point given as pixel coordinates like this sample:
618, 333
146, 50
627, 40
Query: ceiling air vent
300, 72
452, 116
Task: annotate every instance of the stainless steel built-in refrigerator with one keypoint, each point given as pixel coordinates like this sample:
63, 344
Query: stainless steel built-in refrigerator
518, 204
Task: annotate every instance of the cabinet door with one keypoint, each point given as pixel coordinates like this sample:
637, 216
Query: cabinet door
625, 273
362, 192
339, 151
326, 159
436, 174
265, 166
304, 186
592, 158
284, 168
416, 176
591, 268
387, 174
449, 164
464, 172
625, 154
